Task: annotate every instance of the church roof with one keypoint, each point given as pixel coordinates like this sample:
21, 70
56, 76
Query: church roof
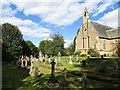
101, 29
113, 33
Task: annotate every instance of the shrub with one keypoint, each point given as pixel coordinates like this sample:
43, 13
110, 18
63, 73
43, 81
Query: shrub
78, 52
93, 53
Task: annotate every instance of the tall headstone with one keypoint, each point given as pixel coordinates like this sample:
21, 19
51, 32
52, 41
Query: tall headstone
53, 79
76, 57
46, 59
40, 57
70, 62
59, 63
31, 67
84, 81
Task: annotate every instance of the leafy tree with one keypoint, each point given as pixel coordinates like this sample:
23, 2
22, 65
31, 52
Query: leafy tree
116, 48
46, 47
69, 50
52, 47
12, 42
32, 48
58, 44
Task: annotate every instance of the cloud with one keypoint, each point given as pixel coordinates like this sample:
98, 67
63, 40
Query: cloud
110, 19
67, 43
58, 12
105, 4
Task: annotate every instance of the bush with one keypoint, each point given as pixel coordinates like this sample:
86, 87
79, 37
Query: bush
78, 52
93, 53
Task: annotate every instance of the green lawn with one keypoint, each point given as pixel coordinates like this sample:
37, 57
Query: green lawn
19, 79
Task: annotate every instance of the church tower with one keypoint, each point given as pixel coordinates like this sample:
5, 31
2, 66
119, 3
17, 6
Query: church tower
85, 35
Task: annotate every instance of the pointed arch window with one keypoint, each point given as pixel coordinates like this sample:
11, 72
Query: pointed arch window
85, 14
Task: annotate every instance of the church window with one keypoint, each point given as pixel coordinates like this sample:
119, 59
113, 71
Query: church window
104, 46
85, 14
88, 42
83, 42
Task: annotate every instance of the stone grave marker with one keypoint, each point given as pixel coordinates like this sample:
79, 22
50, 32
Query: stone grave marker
64, 83
70, 62
84, 81
52, 78
103, 67
58, 62
40, 57
31, 67
83, 62
46, 59
66, 61
78, 62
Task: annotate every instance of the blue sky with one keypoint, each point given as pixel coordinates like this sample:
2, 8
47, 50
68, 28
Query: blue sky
39, 19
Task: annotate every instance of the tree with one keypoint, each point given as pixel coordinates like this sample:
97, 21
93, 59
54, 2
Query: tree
52, 47
32, 48
58, 44
69, 50
46, 47
116, 48
12, 42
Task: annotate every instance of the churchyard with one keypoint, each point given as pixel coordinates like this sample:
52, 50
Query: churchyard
44, 72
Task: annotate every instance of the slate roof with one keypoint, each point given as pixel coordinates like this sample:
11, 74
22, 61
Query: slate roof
113, 33
101, 29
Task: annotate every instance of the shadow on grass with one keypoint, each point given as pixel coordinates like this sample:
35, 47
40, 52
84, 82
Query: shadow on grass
12, 76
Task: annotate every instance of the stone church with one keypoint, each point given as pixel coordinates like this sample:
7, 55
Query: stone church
96, 36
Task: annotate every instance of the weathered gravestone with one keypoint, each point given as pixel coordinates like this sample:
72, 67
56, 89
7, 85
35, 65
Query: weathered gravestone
116, 65
103, 67
70, 62
40, 57
59, 63
31, 67
66, 61
46, 59
53, 79
23, 62
83, 62
84, 81
64, 83
78, 62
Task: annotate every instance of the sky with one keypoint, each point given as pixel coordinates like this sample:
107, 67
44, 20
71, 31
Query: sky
39, 19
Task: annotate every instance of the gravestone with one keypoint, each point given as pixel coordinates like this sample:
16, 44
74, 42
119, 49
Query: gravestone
116, 65
66, 61
31, 67
23, 62
59, 63
78, 62
52, 78
76, 58
103, 67
70, 62
83, 63
46, 59
40, 57
64, 84
84, 81
36, 71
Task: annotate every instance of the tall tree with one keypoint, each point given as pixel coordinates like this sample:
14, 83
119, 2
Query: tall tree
12, 42
46, 47
33, 49
58, 44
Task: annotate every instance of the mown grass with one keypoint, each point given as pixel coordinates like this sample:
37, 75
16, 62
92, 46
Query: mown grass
18, 78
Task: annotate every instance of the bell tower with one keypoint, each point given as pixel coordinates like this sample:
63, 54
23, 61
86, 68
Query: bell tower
85, 35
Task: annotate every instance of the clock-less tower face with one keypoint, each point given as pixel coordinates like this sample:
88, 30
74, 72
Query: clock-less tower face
85, 23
